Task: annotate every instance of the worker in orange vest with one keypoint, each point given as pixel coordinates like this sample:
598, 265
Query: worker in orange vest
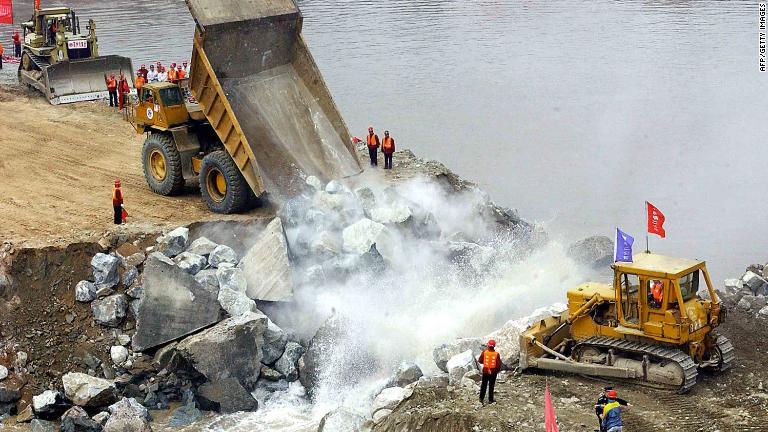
1, 55
117, 202
172, 75
16, 44
373, 147
140, 80
111, 88
491, 361
388, 148
657, 294
124, 89
180, 74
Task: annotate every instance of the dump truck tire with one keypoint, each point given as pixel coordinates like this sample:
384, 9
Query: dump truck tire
222, 185
162, 165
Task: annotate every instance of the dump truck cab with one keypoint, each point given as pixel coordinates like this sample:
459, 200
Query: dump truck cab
160, 106
650, 324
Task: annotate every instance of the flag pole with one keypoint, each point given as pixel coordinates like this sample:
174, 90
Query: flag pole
647, 249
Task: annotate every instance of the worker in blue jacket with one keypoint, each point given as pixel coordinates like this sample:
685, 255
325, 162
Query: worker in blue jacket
611, 421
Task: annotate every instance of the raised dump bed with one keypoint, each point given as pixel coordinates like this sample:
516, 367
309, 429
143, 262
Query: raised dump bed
262, 93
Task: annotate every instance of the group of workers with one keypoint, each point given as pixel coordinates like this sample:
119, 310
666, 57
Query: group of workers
159, 73
387, 148
118, 89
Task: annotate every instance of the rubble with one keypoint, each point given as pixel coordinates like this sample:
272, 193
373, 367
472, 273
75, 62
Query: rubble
87, 391
174, 305
266, 266
110, 311
202, 246
127, 415
174, 242
85, 291
190, 262
226, 395
360, 236
105, 270
49, 404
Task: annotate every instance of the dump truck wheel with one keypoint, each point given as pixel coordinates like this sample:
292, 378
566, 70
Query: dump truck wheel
222, 185
162, 165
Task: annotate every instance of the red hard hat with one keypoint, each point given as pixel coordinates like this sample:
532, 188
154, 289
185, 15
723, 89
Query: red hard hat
611, 394
491, 343
117, 182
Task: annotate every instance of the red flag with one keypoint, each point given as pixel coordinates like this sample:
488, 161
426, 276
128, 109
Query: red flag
6, 11
37, 4
550, 421
655, 221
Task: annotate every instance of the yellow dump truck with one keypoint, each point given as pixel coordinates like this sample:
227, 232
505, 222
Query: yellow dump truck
62, 61
254, 115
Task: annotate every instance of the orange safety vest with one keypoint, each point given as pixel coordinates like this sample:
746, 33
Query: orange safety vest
172, 75
140, 82
111, 84
657, 290
373, 141
180, 74
117, 196
1, 49
490, 361
389, 145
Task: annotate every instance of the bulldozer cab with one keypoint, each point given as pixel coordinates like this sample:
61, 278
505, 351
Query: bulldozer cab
656, 296
160, 106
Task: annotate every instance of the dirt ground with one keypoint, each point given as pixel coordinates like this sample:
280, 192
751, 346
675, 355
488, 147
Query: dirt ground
58, 167
732, 402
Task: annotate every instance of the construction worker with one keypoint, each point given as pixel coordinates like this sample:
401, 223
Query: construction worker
172, 77
140, 80
611, 418
388, 148
152, 74
162, 76
373, 147
656, 294
491, 361
16, 44
185, 68
124, 89
603, 400
1, 55
143, 71
111, 88
180, 74
117, 202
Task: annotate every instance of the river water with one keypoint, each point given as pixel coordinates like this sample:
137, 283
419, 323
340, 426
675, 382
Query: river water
573, 112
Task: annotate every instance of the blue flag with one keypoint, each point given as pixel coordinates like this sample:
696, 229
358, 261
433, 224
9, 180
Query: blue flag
624, 243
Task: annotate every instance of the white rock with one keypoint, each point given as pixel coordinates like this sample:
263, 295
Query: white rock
105, 270
161, 257
123, 339
85, 291
735, 284
266, 266
763, 312
459, 365
208, 279
202, 246
174, 242
390, 398
380, 415
360, 236
328, 203
3, 372
394, 214
190, 262
235, 303
325, 245
231, 278
221, 255
315, 183
45, 401
85, 390
755, 283
119, 354
334, 187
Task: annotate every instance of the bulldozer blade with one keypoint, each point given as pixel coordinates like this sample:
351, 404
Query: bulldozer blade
83, 80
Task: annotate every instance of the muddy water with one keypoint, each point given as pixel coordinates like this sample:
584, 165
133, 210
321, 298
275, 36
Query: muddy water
574, 112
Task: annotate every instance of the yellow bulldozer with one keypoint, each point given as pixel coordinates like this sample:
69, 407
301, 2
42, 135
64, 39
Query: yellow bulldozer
62, 62
650, 327
251, 118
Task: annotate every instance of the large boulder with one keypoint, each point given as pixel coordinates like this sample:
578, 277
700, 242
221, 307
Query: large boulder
202, 246
231, 294
223, 254
226, 395
207, 279
266, 266
174, 242
85, 291
110, 311
87, 391
293, 211
359, 237
105, 270
287, 363
230, 349
442, 353
174, 305
405, 374
755, 283
190, 262
595, 252
390, 398
459, 365
341, 419
325, 245
127, 415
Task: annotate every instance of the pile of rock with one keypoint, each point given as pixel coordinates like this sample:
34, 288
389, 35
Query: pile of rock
748, 293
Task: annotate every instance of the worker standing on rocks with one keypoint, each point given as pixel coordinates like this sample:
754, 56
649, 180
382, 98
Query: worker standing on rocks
611, 418
491, 361
111, 88
388, 148
117, 202
373, 146
16, 44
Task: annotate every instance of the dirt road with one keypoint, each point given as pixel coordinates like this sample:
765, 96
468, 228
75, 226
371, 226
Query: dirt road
58, 166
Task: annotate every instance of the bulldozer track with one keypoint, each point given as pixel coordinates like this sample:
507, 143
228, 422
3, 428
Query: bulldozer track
727, 352
690, 370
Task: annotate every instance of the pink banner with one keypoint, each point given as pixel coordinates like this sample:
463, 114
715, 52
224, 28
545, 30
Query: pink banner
6, 11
